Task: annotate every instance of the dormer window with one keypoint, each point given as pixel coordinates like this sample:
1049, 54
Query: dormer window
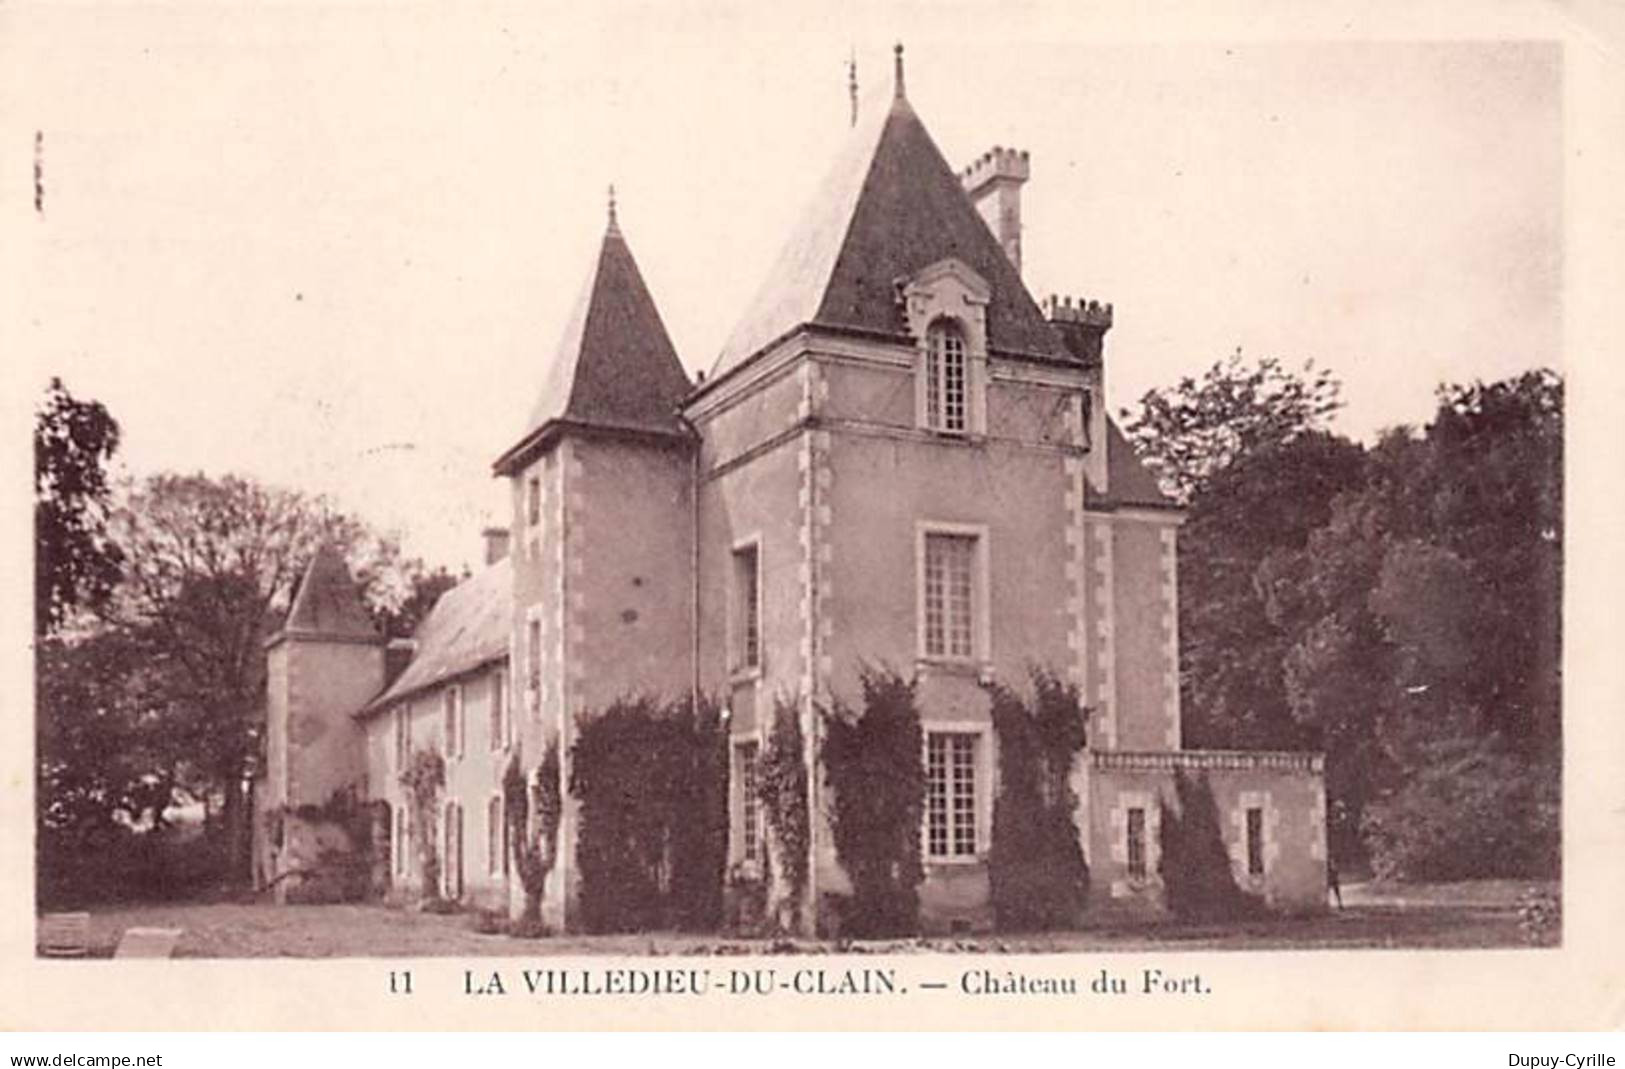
945, 307
945, 377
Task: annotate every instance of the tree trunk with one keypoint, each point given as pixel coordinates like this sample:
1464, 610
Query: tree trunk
234, 818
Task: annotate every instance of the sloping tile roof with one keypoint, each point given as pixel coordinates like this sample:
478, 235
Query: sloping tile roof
1128, 480
615, 366
467, 627
889, 207
328, 601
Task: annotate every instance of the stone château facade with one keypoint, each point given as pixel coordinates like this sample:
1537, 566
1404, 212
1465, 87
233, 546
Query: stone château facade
898, 457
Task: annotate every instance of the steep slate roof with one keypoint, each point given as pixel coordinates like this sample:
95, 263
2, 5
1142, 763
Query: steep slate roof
615, 367
1128, 480
328, 601
890, 207
467, 627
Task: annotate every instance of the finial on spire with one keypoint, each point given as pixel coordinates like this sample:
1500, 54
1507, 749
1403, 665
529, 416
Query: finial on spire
897, 52
614, 226
852, 83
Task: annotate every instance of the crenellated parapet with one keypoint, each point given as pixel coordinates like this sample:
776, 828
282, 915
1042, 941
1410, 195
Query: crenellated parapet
997, 162
1077, 310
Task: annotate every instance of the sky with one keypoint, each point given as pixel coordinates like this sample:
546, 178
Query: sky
334, 246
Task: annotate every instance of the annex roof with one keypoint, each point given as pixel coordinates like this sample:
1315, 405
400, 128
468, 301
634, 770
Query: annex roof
468, 627
1128, 480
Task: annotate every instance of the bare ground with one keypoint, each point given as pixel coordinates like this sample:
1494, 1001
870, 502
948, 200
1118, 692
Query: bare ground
1464, 915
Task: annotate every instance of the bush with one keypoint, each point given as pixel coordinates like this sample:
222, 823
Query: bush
489, 922
874, 762
1197, 882
1467, 811
654, 819
1038, 876
116, 864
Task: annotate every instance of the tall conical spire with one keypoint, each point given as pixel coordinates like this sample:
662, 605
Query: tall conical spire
897, 62
615, 368
889, 208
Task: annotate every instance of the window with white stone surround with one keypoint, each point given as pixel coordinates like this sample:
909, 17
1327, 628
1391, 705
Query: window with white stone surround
945, 306
953, 795
952, 593
403, 841
452, 705
946, 392
745, 609
750, 815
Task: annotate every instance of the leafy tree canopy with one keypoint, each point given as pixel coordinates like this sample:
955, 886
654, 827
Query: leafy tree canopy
76, 564
1193, 430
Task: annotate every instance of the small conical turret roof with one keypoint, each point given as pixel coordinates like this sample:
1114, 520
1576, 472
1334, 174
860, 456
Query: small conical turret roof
615, 368
328, 602
890, 207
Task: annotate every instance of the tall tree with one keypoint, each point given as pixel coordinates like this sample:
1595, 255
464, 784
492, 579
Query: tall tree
76, 564
1190, 432
1261, 505
212, 568
1424, 635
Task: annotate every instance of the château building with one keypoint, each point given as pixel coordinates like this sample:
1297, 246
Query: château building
898, 457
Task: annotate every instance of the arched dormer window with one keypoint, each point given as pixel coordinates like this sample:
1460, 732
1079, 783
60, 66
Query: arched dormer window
946, 375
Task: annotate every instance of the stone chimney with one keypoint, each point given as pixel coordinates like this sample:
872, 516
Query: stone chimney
397, 655
1082, 326
496, 544
993, 184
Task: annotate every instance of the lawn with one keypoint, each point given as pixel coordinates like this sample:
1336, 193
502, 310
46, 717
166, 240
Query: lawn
1475, 914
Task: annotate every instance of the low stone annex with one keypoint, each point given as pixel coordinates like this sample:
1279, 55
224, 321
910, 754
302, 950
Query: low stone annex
898, 456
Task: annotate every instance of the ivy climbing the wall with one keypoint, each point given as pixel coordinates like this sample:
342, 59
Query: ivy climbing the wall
534, 852
875, 767
423, 778
652, 845
1036, 868
782, 788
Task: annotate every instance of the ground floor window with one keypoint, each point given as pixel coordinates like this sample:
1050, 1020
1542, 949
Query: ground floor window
403, 842
746, 755
950, 794
452, 853
496, 838
1255, 841
1136, 843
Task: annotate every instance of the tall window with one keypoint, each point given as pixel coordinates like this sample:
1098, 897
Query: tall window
403, 841
1136, 843
452, 851
945, 390
1255, 841
533, 656
496, 838
747, 608
499, 709
750, 805
452, 703
533, 500
950, 570
950, 795
403, 736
